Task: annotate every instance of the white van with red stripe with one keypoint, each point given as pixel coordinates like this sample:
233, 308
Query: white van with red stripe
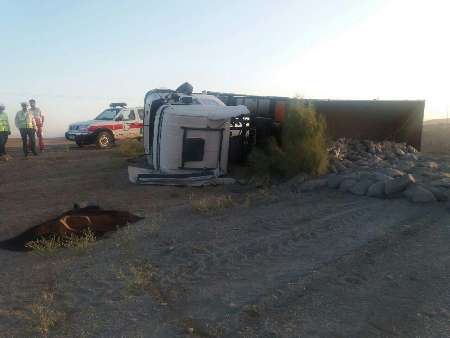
118, 122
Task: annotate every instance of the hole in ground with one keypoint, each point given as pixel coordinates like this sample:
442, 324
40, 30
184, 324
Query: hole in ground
74, 222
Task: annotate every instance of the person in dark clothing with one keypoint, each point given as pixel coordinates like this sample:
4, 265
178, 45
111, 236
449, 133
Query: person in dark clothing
28, 136
3, 140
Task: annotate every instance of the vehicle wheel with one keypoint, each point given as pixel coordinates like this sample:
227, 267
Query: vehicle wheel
79, 143
104, 140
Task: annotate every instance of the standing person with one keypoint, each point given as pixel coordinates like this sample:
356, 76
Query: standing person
5, 130
39, 119
25, 123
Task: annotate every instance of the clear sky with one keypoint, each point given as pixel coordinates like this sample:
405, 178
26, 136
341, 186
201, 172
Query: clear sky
75, 57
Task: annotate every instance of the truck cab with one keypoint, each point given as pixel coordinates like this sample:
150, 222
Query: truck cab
118, 122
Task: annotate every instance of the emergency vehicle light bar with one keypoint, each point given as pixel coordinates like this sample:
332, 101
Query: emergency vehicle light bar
118, 104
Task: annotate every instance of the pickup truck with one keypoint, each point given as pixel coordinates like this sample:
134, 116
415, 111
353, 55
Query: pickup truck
118, 122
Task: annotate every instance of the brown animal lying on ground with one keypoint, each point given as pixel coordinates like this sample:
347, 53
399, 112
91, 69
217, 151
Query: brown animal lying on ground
72, 222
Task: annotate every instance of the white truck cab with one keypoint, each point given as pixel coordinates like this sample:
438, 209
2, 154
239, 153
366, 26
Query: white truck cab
186, 138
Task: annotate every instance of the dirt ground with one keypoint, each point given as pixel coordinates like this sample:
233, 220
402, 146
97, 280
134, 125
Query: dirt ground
230, 261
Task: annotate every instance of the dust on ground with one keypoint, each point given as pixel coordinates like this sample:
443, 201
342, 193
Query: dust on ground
229, 261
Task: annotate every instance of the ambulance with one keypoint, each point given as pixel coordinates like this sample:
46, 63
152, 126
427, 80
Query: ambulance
118, 122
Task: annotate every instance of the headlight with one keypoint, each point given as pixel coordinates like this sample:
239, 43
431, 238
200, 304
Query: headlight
83, 128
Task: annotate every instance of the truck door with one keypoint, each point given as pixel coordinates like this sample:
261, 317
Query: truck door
131, 124
120, 125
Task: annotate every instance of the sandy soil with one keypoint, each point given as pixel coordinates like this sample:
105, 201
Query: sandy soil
261, 264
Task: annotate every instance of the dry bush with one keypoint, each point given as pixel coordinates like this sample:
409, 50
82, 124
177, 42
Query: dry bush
137, 277
142, 277
80, 242
152, 227
212, 203
46, 246
44, 315
197, 328
247, 201
252, 311
128, 235
131, 148
199, 249
302, 146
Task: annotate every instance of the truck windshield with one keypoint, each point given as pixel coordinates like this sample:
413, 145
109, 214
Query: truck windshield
108, 114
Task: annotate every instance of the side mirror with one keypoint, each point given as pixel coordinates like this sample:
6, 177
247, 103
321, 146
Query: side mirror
119, 118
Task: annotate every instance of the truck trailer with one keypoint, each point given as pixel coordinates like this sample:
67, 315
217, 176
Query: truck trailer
377, 120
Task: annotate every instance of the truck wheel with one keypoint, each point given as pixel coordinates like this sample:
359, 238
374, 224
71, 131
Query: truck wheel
104, 140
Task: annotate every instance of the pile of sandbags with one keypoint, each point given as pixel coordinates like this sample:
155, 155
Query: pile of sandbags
384, 170
348, 153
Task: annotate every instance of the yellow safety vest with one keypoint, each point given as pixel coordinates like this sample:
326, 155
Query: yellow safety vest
24, 120
4, 123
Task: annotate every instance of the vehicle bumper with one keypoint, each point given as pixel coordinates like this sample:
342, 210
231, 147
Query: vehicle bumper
80, 137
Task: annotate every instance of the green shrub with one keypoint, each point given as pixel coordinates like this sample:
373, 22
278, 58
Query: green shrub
304, 141
302, 145
264, 162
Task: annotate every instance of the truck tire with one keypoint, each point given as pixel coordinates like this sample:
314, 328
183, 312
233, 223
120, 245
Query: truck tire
104, 140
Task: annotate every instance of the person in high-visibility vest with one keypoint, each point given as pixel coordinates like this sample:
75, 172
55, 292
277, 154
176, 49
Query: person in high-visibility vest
27, 126
39, 119
5, 130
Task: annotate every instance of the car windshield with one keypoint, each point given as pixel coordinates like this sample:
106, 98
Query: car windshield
108, 114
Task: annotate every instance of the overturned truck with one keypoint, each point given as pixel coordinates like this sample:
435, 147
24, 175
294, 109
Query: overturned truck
189, 138
186, 138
